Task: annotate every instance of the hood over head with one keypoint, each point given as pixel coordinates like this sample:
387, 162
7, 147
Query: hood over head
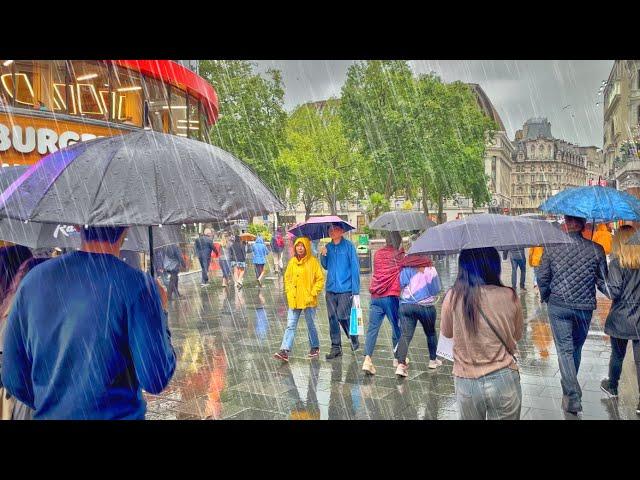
307, 246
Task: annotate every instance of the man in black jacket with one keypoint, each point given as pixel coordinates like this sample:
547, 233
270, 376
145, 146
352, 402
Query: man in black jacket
203, 247
567, 279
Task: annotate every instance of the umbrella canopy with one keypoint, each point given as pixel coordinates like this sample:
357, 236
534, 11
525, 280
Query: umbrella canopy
401, 221
534, 216
141, 178
487, 230
595, 203
50, 235
318, 227
247, 237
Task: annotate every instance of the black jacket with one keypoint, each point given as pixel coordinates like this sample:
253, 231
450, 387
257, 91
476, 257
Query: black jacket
203, 246
623, 320
568, 274
238, 252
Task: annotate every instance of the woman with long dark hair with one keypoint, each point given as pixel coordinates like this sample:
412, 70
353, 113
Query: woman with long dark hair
10, 260
485, 320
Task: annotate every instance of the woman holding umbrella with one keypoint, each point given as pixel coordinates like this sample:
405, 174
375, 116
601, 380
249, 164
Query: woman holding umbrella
485, 320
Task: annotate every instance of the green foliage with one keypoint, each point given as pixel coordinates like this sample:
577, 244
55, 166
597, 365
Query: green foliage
376, 205
323, 163
260, 229
252, 117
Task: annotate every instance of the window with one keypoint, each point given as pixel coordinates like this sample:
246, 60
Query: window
178, 106
193, 122
88, 89
493, 172
126, 105
533, 178
157, 105
34, 83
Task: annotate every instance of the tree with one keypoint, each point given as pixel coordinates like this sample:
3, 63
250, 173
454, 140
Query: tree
376, 205
321, 159
375, 107
252, 118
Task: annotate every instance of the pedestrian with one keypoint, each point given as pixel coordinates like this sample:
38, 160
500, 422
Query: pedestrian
277, 247
485, 320
203, 246
172, 263
535, 257
623, 322
11, 258
420, 286
567, 280
603, 238
385, 293
518, 260
340, 260
238, 260
86, 333
303, 282
11, 408
225, 258
260, 253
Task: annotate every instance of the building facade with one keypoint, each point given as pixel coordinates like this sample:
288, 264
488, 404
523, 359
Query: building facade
621, 124
543, 166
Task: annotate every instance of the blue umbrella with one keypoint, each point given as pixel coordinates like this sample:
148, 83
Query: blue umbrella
595, 203
318, 227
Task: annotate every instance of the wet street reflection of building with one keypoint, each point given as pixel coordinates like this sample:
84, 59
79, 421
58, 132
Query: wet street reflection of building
225, 340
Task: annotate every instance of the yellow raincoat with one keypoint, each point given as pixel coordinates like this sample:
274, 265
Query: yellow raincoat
535, 256
603, 237
303, 279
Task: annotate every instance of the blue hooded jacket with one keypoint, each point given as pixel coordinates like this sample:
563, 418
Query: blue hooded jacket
260, 252
343, 268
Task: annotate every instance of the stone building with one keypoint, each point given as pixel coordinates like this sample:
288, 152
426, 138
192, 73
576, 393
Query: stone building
543, 166
621, 124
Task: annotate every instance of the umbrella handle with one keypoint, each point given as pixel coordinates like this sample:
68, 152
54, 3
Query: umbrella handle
152, 269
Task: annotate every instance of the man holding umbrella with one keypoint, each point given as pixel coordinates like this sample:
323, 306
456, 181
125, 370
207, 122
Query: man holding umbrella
340, 260
87, 333
567, 280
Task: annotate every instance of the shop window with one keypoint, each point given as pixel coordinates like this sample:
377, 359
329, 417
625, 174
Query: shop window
126, 102
193, 120
88, 89
204, 125
178, 108
157, 105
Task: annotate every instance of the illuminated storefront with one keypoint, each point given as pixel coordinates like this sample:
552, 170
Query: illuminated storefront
46, 105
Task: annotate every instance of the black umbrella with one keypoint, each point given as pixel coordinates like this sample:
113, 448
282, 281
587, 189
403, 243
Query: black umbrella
401, 221
488, 230
143, 178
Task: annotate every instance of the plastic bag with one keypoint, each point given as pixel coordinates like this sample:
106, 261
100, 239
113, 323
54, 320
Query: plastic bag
353, 321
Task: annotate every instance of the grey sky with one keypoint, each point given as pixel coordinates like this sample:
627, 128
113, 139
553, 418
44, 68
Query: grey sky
519, 89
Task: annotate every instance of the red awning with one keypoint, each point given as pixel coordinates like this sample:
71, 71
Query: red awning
178, 76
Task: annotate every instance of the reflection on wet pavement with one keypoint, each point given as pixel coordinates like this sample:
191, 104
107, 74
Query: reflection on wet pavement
225, 338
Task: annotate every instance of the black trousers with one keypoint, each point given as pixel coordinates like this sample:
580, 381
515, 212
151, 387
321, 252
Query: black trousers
339, 311
173, 283
204, 263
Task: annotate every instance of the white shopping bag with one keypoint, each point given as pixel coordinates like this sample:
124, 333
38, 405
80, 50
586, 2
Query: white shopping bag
445, 348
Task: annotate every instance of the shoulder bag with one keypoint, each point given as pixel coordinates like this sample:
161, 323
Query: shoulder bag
495, 331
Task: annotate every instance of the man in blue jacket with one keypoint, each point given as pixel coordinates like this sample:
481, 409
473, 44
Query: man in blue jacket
340, 260
86, 334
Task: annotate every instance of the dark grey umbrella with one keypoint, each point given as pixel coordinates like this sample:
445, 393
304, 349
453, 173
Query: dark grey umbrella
488, 230
534, 216
399, 221
143, 178
50, 235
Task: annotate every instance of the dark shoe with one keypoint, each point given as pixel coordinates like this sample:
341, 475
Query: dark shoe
335, 352
282, 355
606, 387
568, 407
355, 345
313, 353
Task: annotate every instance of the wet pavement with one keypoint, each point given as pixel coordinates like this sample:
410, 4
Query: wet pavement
225, 340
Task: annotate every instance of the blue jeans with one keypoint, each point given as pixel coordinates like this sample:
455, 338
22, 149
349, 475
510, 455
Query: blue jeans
495, 396
570, 328
515, 264
378, 309
226, 268
410, 314
292, 322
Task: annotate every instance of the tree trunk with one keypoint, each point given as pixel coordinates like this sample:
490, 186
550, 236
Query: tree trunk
440, 209
307, 212
425, 203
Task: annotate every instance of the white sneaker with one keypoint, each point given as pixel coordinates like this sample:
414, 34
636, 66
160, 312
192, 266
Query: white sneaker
435, 363
402, 370
395, 361
367, 366
203, 284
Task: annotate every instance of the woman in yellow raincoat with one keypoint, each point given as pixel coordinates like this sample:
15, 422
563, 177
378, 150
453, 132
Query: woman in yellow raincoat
303, 282
535, 258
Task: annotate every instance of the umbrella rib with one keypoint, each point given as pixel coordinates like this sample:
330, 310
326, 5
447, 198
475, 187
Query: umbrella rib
101, 183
